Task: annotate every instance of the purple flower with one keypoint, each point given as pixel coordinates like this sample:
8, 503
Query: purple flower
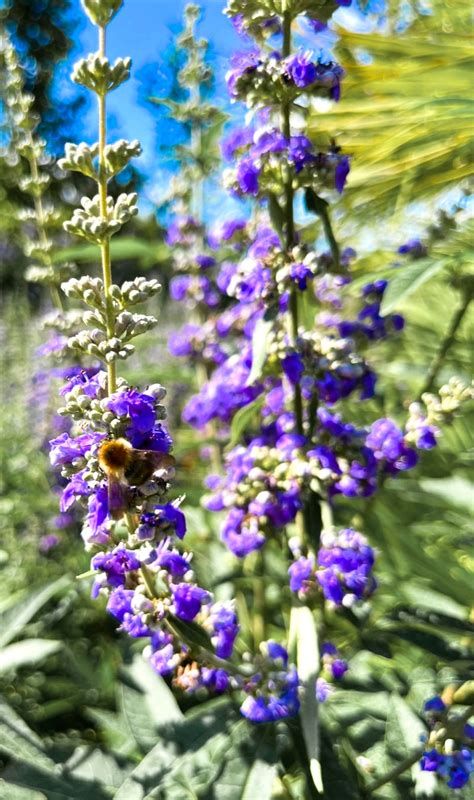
238, 139
172, 561
241, 533
140, 408
241, 64
48, 542
247, 177
322, 690
386, 441
299, 572
182, 231
77, 487
268, 141
293, 367
300, 152
188, 599
346, 563
217, 680
434, 704
276, 699
120, 602
224, 622
65, 449
163, 520
301, 69
342, 170
300, 273
116, 565
414, 248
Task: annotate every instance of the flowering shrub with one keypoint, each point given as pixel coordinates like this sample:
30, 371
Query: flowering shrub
285, 364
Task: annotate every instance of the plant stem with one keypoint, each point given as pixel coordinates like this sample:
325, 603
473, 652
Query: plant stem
41, 227
446, 343
105, 244
290, 229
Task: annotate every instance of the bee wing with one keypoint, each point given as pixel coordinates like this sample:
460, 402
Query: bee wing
163, 461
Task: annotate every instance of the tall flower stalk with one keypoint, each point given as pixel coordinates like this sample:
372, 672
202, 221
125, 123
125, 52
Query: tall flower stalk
292, 454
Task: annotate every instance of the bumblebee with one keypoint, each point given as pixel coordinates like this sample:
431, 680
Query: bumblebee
123, 463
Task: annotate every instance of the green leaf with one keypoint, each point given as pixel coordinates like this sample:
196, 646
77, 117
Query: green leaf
14, 619
26, 653
260, 336
146, 703
18, 740
124, 248
160, 701
180, 741
407, 280
307, 659
243, 419
8, 791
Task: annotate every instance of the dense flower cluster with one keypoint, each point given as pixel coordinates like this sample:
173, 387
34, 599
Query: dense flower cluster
450, 758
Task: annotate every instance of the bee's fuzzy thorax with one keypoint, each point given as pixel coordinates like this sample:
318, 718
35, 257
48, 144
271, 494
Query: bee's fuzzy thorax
115, 456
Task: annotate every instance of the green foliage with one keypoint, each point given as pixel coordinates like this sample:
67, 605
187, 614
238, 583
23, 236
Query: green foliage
404, 116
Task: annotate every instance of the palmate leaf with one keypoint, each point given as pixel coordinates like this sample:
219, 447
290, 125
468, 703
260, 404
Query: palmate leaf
406, 115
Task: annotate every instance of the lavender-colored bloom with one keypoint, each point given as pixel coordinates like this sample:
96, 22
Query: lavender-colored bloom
386, 441
55, 344
120, 602
139, 407
300, 152
241, 533
317, 25
90, 380
116, 564
434, 704
267, 141
293, 367
225, 231
182, 231
247, 176
48, 543
323, 689
188, 599
238, 139
77, 487
346, 563
275, 698
342, 170
65, 449
217, 680
163, 660
241, 64
300, 571
172, 561
224, 622
300, 273
301, 69
414, 248
164, 519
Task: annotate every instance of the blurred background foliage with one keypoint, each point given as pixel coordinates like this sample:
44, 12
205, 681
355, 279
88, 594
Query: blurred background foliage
73, 692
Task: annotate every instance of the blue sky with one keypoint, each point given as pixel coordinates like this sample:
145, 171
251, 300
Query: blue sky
142, 30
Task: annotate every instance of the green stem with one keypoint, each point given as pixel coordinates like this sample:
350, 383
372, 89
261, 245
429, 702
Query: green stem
41, 226
446, 344
105, 244
328, 231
